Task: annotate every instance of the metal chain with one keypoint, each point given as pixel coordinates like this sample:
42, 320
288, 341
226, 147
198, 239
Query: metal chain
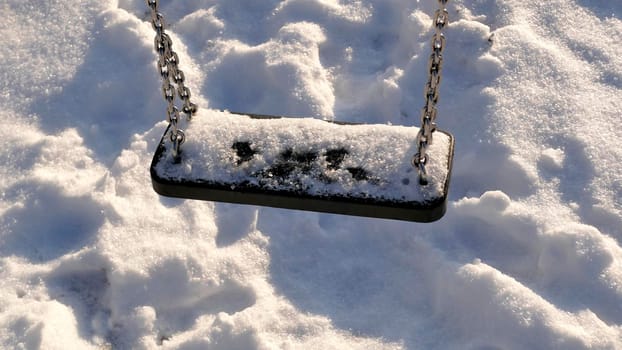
168, 65
429, 111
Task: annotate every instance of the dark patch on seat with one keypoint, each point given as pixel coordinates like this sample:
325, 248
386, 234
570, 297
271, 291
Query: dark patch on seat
302, 158
292, 166
244, 151
358, 174
334, 158
280, 170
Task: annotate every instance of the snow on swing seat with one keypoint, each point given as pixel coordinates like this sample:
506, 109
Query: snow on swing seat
306, 164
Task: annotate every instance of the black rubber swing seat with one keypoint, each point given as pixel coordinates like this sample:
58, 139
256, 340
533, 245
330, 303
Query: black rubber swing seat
306, 164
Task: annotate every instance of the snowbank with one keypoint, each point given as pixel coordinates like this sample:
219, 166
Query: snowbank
527, 257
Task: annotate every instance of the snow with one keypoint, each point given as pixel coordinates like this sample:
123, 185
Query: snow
528, 256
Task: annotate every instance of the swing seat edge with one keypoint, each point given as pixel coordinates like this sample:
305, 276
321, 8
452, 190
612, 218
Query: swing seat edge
426, 211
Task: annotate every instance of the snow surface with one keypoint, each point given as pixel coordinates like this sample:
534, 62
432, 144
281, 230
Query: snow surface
374, 161
528, 256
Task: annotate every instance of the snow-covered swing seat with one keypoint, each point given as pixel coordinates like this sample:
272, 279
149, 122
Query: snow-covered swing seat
383, 171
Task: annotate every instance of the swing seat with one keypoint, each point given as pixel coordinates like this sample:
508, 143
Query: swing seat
305, 164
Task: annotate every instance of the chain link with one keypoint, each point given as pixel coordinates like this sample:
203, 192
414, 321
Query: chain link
431, 93
168, 66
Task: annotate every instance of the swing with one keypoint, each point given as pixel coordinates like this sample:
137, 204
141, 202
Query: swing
381, 171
